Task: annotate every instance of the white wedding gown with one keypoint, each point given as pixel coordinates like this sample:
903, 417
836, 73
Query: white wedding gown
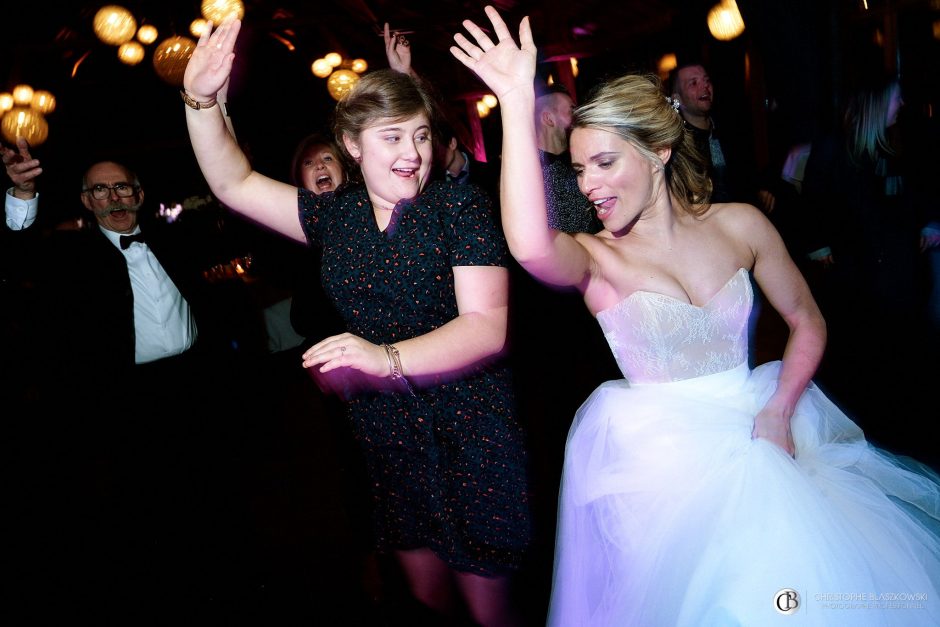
671, 514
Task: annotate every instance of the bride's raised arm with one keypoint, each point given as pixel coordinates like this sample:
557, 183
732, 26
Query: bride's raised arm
509, 70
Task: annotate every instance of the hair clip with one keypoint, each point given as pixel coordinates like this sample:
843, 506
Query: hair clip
674, 103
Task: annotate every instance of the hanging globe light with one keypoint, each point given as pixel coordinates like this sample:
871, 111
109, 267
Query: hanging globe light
334, 59
482, 109
340, 82
725, 21
198, 26
43, 101
321, 68
6, 102
170, 58
358, 66
26, 123
219, 10
131, 53
22, 94
490, 100
147, 34
114, 24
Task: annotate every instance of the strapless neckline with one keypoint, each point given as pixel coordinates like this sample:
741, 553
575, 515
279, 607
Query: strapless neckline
638, 293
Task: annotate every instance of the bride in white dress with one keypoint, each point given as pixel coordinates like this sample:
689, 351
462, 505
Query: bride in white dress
697, 491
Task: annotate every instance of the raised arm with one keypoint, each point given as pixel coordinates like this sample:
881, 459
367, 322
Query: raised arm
20, 202
398, 52
21, 168
509, 70
223, 164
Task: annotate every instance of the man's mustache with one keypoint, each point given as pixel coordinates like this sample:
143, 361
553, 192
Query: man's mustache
106, 211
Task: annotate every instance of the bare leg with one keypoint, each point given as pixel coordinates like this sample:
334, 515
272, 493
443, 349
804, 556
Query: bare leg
429, 579
488, 600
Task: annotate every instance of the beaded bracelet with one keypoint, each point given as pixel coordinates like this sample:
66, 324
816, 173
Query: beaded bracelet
394, 366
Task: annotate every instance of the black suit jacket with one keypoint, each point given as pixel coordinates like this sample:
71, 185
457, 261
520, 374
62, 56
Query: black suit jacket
82, 304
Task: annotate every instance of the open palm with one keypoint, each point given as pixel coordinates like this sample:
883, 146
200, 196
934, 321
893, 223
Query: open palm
504, 66
211, 62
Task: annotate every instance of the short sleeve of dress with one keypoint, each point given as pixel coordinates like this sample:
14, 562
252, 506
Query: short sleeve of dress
475, 238
311, 208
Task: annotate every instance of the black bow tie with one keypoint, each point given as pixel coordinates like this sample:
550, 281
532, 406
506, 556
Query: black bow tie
127, 240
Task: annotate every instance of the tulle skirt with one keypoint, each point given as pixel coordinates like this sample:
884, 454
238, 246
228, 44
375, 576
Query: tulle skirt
670, 514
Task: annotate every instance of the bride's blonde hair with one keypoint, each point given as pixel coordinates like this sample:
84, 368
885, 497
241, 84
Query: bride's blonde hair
635, 108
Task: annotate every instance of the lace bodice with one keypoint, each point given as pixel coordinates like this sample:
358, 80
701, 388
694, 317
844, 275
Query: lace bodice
656, 338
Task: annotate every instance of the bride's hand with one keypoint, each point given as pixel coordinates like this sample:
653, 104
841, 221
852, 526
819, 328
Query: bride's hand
504, 66
774, 427
211, 62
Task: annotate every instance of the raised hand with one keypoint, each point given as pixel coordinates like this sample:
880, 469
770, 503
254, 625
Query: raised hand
398, 52
503, 66
211, 63
21, 168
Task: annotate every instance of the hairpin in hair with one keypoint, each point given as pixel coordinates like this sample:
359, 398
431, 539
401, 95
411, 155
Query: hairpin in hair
674, 103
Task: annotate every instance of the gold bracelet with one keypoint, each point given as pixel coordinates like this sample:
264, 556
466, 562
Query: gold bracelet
195, 104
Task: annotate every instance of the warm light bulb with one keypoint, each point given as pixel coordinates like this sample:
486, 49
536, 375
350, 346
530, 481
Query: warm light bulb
170, 58
147, 34
667, 63
218, 10
114, 24
490, 100
725, 21
321, 68
43, 101
6, 102
359, 66
334, 59
26, 123
198, 26
340, 82
574, 67
482, 109
131, 53
22, 94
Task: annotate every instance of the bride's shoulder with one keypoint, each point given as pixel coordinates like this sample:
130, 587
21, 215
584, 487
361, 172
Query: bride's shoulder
735, 216
728, 210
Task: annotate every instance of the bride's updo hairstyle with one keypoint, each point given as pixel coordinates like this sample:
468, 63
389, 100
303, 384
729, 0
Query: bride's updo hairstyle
634, 107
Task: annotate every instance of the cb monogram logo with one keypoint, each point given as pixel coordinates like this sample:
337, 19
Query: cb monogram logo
787, 601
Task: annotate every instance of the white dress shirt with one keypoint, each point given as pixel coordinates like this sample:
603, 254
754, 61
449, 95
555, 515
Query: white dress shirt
163, 322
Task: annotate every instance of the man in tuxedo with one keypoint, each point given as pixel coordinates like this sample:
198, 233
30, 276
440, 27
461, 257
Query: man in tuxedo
119, 438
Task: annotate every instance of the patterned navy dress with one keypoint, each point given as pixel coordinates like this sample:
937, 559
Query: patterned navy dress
447, 466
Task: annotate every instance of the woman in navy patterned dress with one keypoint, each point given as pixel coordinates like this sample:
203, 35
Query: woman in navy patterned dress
418, 272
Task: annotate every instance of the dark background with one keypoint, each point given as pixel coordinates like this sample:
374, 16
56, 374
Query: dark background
781, 81
275, 541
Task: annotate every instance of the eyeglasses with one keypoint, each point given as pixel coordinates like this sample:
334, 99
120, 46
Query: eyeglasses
100, 192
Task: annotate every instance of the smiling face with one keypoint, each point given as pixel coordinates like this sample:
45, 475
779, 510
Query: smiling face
395, 157
614, 175
320, 169
694, 90
112, 212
